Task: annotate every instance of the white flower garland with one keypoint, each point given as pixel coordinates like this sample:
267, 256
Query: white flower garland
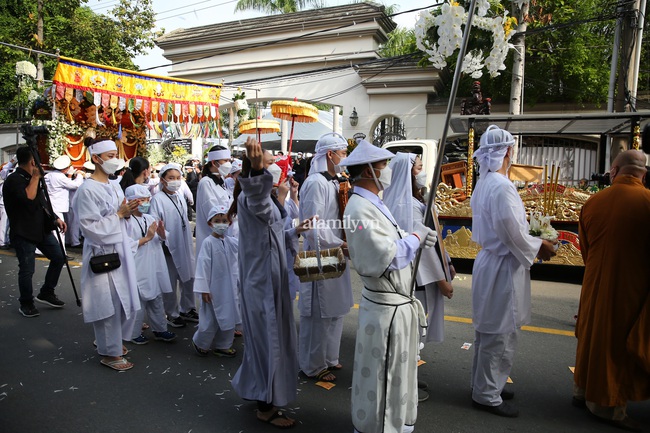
57, 141
449, 20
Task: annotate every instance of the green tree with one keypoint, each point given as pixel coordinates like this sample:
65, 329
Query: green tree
401, 41
277, 6
76, 31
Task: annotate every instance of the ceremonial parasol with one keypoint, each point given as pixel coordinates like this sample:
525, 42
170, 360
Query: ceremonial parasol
259, 127
296, 112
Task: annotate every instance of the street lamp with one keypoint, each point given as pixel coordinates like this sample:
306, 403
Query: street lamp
354, 117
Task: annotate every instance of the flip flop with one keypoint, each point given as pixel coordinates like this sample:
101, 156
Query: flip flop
320, 376
278, 414
238, 333
117, 364
335, 367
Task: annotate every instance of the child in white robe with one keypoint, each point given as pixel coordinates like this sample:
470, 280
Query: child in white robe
153, 278
170, 207
216, 280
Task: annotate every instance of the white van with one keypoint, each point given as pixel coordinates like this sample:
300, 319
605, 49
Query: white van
427, 149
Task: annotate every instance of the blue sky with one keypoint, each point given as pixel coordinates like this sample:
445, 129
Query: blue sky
203, 12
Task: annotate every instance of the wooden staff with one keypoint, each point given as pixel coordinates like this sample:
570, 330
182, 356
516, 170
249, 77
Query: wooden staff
550, 193
557, 176
545, 188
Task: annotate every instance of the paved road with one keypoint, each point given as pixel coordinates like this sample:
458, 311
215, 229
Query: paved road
51, 380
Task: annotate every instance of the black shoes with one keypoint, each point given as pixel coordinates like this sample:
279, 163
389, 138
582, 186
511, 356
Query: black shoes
190, 316
504, 409
29, 310
507, 394
50, 299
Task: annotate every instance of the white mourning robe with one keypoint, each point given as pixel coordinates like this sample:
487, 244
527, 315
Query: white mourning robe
59, 187
269, 369
217, 273
501, 274
430, 270
96, 204
179, 239
153, 277
322, 304
293, 245
500, 282
208, 195
384, 378
73, 234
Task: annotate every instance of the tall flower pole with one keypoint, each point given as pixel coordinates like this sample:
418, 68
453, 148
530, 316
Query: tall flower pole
429, 214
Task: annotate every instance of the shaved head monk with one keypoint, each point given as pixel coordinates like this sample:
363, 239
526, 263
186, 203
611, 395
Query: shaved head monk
613, 327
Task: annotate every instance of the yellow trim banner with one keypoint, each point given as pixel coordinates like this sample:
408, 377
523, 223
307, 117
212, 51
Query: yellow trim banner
90, 77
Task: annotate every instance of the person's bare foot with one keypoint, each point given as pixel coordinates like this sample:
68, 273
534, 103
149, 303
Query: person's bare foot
276, 418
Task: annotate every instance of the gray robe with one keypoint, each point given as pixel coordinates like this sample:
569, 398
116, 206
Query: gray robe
269, 369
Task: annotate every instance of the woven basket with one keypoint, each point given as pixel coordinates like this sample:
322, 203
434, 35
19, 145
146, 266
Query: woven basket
312, 273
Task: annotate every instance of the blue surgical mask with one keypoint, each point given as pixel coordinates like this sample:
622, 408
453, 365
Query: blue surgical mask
144, 207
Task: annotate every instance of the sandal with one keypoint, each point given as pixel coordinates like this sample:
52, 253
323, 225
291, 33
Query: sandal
227, 353
120, 364
198, 350
238, 333
278, 414
322, 376
145, 326
335, 367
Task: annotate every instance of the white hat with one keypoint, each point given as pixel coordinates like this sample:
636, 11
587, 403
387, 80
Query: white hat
493, 147
170, 166
136, 191
62, 162
102, 147
216, 210
328, 141
88, 165
236, 166
216, 155
366, 153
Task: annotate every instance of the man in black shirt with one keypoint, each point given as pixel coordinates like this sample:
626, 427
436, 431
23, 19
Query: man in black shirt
31, 227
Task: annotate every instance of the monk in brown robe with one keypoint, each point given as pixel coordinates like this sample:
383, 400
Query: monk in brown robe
613, 326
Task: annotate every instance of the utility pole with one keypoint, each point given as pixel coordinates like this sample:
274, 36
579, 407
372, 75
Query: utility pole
628, 36
39, 34
518, 66
633, 77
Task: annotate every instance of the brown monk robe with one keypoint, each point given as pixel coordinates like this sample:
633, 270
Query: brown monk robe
615, 246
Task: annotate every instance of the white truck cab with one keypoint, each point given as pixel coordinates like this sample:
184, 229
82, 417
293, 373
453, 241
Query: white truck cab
426, 149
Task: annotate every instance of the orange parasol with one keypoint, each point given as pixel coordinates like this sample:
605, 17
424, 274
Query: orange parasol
296, 112
259, 126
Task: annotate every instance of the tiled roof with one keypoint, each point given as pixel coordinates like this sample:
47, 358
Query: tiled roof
273, 24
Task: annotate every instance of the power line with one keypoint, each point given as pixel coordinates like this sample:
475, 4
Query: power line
289, 39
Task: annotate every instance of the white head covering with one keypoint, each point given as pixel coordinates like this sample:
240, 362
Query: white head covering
216, 155
236, 166
62, 162
88, 165
398, 197
216, 210
327, 142
366, 153
170, 166
493, 148
136, 191
102, 147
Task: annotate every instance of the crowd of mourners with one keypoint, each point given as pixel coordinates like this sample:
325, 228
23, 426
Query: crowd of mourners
148, 270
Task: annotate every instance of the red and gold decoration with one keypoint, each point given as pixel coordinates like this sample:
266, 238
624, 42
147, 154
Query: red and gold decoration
294, 111
122, 104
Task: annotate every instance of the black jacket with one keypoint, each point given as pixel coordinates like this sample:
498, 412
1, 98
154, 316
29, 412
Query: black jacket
27, 218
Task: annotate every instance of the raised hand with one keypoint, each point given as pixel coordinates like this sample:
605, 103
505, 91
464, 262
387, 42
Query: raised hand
255, 154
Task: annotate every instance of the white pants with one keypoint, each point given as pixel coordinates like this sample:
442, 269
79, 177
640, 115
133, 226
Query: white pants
319, 340
209, 335
493, 358
110, 332
171, 300
73, 234
156, 313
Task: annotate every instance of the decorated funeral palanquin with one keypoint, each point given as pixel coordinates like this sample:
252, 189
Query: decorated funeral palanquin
455, 215
122, 105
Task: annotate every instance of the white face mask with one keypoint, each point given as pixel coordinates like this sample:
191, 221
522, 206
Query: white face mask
420, 179
174, 185
110, 166
338, 168
219, 229
224, 169
383, 181
276, 172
